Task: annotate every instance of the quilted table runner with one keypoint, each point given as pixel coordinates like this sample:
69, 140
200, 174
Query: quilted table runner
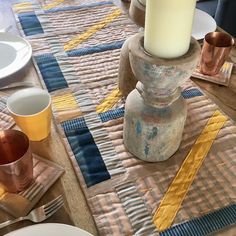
76, 49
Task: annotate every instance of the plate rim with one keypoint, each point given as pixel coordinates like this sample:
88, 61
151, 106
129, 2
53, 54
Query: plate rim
48, 224
8, 34
210, 17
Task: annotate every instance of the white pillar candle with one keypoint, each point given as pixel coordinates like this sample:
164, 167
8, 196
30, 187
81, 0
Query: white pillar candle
168, 27
143, 2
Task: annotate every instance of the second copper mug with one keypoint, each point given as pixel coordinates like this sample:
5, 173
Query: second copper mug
215, 50
16, 164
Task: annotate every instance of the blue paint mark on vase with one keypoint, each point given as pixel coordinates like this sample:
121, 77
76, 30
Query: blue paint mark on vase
138, 127
153, 133
146, 150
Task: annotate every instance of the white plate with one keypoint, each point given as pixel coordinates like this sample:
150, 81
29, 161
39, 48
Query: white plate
15, 52
203, 23
49, 229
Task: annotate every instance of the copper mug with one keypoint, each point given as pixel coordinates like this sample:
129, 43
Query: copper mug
16, 163
215, 50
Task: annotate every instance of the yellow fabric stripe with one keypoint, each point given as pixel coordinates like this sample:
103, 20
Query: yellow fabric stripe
64, 102
179, 187
23, 6
53, 4
109, 101
92, 30
225, 66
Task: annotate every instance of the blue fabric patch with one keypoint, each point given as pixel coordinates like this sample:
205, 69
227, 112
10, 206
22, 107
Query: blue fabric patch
30, 23
105, 116
190, 93
51, 72
96, 49
87, 154
112, 114
204, 225
73, 8
74, 124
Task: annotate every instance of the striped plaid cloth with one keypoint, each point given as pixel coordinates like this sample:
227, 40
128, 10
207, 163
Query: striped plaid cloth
6, 121
76, 50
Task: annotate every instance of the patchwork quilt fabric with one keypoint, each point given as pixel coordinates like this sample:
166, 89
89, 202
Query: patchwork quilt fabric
6, 121
76, 51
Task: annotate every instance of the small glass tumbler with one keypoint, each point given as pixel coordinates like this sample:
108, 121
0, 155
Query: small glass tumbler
16, 163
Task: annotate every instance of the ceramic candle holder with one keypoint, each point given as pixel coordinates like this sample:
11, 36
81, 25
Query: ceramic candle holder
155, 111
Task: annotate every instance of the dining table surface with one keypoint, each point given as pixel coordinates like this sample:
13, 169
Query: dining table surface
76, 211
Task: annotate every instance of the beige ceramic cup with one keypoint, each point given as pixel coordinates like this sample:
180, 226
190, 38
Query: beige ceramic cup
215, 50
16, 164
31, 110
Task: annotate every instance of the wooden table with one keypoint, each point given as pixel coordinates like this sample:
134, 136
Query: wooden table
76, 211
